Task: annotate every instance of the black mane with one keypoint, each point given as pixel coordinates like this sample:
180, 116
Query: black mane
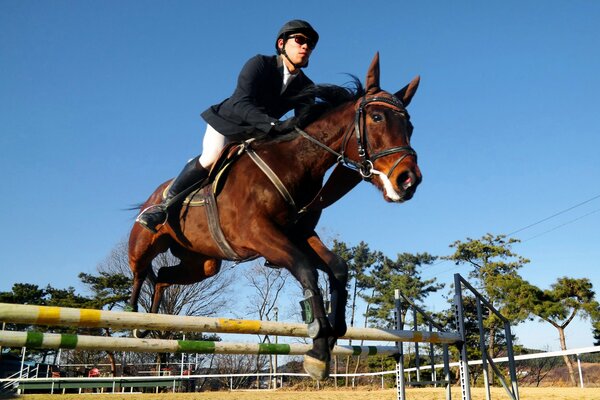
327, 97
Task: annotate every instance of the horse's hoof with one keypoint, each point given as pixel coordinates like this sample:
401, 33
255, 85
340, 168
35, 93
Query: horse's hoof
317, 369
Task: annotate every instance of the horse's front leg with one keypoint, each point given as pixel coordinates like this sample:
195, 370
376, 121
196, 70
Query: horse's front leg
316, 360
279, 250
337, 272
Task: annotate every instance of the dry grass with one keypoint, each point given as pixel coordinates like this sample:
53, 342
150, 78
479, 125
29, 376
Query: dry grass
526, 393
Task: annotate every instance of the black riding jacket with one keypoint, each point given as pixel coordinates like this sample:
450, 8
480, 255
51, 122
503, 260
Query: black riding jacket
257, 102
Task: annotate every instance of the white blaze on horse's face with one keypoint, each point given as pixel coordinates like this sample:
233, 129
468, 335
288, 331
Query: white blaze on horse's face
388, 188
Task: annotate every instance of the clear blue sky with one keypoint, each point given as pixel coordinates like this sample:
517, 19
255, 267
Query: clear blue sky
100, 101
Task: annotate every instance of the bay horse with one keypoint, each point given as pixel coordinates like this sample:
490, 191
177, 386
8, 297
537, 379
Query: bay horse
367, 130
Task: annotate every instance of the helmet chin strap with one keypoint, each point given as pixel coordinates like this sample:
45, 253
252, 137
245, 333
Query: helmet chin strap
288, 58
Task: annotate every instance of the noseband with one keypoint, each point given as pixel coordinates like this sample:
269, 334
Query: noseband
359, 128
362, 141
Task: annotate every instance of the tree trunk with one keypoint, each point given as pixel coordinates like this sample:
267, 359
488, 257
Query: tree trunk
491, 344
113, 364
563, 346
111, 357
347, 370
352, 314
335, 368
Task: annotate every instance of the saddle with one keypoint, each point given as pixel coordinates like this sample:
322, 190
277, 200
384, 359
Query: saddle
216, 176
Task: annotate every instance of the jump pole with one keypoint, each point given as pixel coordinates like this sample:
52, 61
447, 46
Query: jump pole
74, 317
40, 340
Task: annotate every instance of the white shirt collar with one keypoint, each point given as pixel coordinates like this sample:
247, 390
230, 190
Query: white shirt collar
287, 78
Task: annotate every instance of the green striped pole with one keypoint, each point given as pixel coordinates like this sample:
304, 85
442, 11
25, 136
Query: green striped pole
62, 316
40, 340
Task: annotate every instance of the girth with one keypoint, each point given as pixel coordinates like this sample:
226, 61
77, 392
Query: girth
214, 225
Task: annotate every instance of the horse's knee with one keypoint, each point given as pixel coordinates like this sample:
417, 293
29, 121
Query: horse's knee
307, 276
339, 270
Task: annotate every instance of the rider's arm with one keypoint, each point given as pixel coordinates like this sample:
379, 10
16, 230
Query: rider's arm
254, 74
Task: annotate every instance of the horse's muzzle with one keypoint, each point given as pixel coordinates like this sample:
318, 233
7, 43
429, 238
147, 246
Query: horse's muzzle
407, 183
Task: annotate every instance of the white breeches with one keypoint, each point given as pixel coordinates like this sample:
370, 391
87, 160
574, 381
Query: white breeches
212, 144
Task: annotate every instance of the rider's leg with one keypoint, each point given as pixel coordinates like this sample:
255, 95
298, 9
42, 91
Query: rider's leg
153, 216
212, 144
194, 171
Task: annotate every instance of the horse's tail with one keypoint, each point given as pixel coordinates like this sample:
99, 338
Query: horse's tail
134, 207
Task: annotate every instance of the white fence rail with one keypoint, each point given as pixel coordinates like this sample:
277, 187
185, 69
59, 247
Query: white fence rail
181, 378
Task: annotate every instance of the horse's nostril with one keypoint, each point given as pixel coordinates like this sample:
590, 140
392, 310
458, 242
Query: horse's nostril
405, 180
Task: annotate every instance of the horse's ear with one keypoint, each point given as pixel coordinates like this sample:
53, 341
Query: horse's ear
407, 92
373, 76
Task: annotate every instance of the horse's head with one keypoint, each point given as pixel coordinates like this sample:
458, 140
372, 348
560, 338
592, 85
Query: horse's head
382, 132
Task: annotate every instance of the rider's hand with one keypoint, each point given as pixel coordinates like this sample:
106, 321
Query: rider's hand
283, 127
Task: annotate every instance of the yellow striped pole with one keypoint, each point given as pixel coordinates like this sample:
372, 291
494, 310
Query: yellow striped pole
62, 316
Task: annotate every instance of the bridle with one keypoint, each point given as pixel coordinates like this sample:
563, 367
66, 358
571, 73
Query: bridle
358, 129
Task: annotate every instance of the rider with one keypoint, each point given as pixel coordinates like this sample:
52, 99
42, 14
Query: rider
265, 92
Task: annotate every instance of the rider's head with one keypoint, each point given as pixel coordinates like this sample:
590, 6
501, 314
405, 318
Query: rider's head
296, 40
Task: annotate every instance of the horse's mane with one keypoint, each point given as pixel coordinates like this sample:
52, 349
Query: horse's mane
319, 100
325, 97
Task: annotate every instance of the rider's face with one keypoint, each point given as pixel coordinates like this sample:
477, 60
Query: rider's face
297, 52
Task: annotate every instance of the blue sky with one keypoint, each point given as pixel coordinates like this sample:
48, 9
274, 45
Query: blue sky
100, 101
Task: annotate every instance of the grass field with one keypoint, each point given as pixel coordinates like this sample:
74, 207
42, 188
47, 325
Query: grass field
411, 394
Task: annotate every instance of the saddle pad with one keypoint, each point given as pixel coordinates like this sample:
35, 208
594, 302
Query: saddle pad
216, 177
194, 199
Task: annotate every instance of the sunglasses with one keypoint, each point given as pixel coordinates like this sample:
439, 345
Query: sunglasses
302, 40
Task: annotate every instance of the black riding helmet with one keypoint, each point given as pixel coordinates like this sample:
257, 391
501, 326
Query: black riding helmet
296, 26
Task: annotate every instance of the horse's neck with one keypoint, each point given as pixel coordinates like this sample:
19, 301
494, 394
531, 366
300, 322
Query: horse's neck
330, 132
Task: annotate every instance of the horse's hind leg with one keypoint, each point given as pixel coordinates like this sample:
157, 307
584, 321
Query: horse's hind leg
138, 281
193, 268
143, 248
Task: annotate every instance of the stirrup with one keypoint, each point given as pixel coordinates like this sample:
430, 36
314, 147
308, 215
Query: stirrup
148, 217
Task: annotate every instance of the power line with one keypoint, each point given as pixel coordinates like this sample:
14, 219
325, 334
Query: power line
440, 261
561, 225
555, 215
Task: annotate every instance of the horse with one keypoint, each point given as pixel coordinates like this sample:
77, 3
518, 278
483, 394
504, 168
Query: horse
366, 131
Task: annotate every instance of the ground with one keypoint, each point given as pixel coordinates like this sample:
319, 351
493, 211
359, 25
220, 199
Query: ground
411, 394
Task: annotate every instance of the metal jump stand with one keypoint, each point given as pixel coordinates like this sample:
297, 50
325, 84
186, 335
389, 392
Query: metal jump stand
402, 307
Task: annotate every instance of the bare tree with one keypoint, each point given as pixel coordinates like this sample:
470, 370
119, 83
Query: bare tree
268, 285
240, 364
533, 371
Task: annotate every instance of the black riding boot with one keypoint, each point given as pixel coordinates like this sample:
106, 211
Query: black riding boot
155, 215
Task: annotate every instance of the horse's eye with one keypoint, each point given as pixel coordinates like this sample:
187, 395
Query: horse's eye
377, 117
